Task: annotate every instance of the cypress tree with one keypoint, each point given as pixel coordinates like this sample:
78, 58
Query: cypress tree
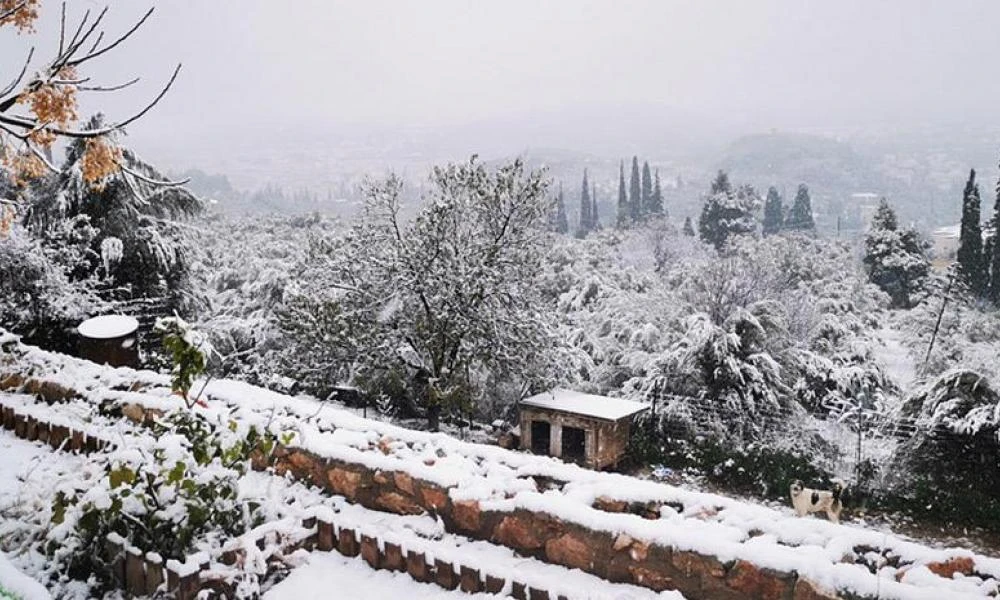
623, 208
656, 205
647, 190
994, 255
688, 226
561, 224
773, 212
971, 261
595, 218
586, 220
800, 216
635, 191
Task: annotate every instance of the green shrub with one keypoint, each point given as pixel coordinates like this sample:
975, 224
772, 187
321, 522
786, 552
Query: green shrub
180, 492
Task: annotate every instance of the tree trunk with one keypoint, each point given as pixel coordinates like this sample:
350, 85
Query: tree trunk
434, 416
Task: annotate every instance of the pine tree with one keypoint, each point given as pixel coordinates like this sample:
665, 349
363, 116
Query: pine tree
800, 216
971, 261
595, 218
688, 227
773, 212
895, 259
586, 220
656, 205
624, 213
647, 190
994, 253
635, 191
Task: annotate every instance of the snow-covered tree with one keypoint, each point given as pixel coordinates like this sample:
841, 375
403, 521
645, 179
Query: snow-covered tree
560, 221
635, 192
774, 212
446, 299
646, 205
139, 244
896, 259
800, 216
994, 251
972, 263
624, 211
727, 212
586, 206
656, 204
688, 227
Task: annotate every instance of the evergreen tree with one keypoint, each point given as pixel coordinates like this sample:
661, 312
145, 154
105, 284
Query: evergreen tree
688, 227
773, 212
971, 262
560, 222
595, 218
994, 252
635, 191
895, 259
656, 205
586, 220
727, 212
624, 212
721, 183
800, 216
647, 190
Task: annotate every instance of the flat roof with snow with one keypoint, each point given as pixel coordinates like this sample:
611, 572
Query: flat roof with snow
108, 326
587, 405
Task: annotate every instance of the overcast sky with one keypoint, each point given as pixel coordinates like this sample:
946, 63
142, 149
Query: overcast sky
762, 63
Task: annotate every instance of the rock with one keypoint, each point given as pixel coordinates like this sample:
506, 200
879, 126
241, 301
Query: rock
404, 482
754, 582
434, 498
398, 503
133, 412
957, 564
385, 445
622, 541
639, 551
691, 563
807, 590
651, 578
571, 551
610, 505
517, 532
466, 515
344, 482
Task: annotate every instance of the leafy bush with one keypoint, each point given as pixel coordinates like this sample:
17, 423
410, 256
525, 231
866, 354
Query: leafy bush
177, 494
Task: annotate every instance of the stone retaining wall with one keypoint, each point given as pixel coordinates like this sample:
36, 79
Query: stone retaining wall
618, 559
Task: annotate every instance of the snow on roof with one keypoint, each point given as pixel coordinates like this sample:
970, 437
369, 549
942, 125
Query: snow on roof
950, 231
108, 326
589, 405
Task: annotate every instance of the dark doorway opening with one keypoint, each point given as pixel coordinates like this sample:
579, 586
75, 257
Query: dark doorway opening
574, 444
541, 433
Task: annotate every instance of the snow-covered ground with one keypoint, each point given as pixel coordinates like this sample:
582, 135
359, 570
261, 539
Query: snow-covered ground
897, 359
19, 459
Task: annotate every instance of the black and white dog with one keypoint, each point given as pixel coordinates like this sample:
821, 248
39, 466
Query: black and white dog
806, 500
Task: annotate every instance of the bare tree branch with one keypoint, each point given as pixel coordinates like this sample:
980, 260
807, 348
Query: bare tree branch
113, 44
108, 88
17, 80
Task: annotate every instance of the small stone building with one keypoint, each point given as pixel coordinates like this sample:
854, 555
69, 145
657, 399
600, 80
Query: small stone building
590, 430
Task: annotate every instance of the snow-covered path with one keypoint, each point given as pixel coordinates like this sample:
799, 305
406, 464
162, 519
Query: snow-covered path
330, 575
899, 363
